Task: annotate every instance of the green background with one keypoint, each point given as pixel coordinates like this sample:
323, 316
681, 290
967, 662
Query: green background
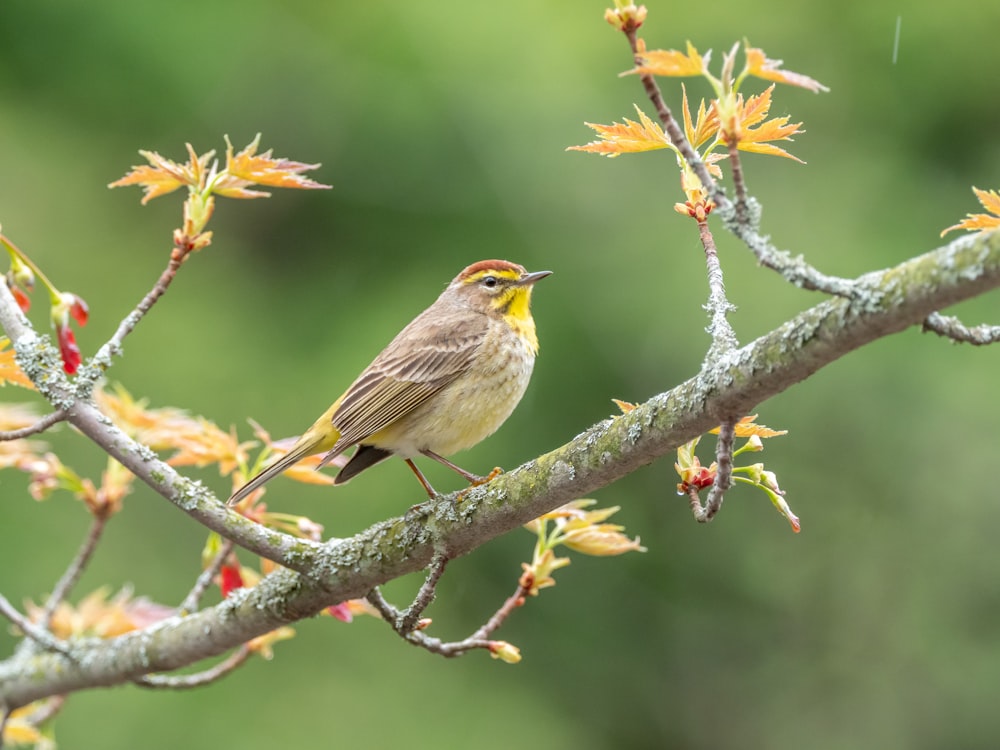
442, 127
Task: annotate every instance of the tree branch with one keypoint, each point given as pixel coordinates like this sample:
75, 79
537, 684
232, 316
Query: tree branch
888, 301
41, 425
952, 328
65, 584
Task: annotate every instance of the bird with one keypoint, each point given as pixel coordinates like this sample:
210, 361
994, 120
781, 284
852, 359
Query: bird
446, 382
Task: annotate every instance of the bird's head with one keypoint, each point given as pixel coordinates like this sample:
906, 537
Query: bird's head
498, 287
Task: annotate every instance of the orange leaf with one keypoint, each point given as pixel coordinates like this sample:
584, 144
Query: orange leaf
990, 200
746, 427
625, 406
770, 70
707, 124
626, 138
164, 176
671, 62
752, 111
250, 168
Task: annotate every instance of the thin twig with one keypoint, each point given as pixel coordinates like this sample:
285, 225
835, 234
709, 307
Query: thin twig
745, 213
419, 638
65, 584
514, 601
39, 635
670, 126
408, 618
794, 270
198, 679
40, 426
723, 471
953, 328
478, 640
739, 182
113, 345
190, 603
723, 337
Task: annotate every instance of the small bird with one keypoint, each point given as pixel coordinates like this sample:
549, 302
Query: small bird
446, 382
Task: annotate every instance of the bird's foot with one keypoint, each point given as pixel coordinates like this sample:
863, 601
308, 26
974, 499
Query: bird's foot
476, 481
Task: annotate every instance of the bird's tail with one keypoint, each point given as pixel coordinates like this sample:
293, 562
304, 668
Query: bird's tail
307, 445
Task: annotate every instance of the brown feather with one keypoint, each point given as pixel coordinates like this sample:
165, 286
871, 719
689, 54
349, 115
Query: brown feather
404, 376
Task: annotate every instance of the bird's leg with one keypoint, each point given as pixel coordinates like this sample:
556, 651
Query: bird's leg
474, 479
431, 493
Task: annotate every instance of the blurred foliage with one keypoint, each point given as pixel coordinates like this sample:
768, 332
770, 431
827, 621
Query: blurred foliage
442, 127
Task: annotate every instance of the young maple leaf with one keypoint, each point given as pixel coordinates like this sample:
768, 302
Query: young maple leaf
671, 62
250, 168
770, 70
990, 200
747, 427
705, 127
626, 138
753, 110
162, 176
625, 406
198, 441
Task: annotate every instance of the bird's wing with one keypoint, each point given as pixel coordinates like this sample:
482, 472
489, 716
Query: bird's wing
406, 374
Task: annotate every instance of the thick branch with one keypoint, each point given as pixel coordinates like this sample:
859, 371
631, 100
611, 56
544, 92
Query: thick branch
891, 301
39, 360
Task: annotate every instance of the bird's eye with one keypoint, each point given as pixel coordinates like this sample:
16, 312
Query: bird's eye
490, 282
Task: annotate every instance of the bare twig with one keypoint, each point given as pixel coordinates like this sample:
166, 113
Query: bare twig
419, 638
76, 567
408, 618
953, 328
795, 270
190, 603
40, 426
478, 640
113, 345
39, 635
198, 679
723, 337
723, 475
514, 601
739, 182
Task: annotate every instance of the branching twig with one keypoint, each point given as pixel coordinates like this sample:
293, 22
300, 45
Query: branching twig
670, 126
743, 215
198, 679
419, 638
953, 328
606, 452
39, 635
407, 619
76, 567
794, 270
190, 603
40, 426
478, 640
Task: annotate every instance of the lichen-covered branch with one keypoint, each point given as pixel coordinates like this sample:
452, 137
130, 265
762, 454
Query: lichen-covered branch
886, 302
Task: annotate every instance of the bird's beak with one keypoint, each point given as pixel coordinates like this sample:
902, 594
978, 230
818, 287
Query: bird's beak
530, 278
